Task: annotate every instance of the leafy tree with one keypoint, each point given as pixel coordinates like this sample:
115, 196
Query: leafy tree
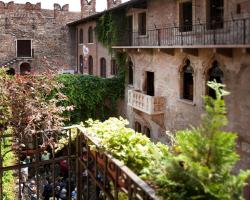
202, 159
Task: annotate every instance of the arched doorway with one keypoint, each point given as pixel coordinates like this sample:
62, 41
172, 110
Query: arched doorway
25, 68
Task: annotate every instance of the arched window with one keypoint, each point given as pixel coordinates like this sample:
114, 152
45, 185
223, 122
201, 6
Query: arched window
90, 35
130, 73
103, 67
137, 127
187, 81
114, 67
214, 74
81, 36
81, 64
90, 65
146, 132
25, 68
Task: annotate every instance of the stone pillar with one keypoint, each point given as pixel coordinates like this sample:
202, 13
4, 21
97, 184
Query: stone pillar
88, 7
113, 3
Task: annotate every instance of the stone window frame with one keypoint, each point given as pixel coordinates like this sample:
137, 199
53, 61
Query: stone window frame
181, 79
91, 35
90, 70
81, 38
103, 67
31, 44
207, 65
133, 73
146, 25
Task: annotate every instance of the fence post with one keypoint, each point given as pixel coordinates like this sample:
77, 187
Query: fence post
159, 37
244, 31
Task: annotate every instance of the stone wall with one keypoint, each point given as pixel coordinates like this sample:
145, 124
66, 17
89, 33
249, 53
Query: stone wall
52, 41
180, 113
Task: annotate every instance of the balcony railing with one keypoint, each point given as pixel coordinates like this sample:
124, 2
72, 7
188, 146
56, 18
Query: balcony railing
145, 103
227, 33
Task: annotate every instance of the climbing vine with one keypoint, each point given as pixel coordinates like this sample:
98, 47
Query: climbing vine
92, 97
109, 26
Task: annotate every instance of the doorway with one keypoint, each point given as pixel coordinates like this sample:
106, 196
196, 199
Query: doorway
186, 16
130, 30
150, 88
25, 68
215, 14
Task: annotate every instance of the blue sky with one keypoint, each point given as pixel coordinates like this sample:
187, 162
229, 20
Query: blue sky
74, 5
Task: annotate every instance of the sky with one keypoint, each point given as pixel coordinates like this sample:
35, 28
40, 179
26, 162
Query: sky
74, 5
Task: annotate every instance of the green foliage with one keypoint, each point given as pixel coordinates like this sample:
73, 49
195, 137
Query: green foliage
198, 165
92, 97
134, 149
202, 159
109, 28
9, 159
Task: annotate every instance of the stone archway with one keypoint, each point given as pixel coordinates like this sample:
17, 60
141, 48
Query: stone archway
25, 68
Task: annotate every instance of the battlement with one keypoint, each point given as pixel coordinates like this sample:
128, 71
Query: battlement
88, 7
113, 3
11, 6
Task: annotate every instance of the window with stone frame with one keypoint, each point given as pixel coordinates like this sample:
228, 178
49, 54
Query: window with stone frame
90, 64
138, 127
24, 48
130, 73
81, 36
214, 74
187, 79
81, 64
103, 68
114, 67
90, 35
147, 132
215, 14
186, 16
142, 23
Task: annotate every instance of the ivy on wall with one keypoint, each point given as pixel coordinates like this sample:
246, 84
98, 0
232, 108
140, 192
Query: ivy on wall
92, 97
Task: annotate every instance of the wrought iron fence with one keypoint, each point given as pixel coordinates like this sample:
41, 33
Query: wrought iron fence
234, 32
91, 174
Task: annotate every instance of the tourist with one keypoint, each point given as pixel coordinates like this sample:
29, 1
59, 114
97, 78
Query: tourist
63, 194
74, 194
45, 157
47, 190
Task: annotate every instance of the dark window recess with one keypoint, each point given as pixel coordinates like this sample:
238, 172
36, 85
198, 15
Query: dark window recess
142, 21
188, 82
214, 74
147, 132
137, 127
150, 84
130, 73
81, 36
103, 68
90, 65
90, 35
114, 67
238, 9
24, 48
25, 68
81, 64
186, 16
130, 30
215, 14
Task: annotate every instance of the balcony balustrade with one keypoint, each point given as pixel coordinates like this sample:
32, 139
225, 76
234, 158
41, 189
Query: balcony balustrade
221, 34
151, 105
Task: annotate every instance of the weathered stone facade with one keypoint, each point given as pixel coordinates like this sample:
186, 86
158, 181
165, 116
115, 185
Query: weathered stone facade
166, 61
52, 40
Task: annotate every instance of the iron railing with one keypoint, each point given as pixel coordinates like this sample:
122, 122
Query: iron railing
234, 32
95, 174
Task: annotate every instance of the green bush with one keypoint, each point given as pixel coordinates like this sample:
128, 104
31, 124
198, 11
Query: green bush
92, 97
198, 164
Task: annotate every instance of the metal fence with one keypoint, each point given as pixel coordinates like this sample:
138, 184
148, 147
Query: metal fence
91, 174
234, 32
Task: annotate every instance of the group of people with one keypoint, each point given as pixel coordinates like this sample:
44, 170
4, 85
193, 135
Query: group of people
47, 188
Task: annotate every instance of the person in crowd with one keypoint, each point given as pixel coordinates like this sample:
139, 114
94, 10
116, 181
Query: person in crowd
74, 194
45, 157
64, 168
63, 194
33, 190
47, 190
